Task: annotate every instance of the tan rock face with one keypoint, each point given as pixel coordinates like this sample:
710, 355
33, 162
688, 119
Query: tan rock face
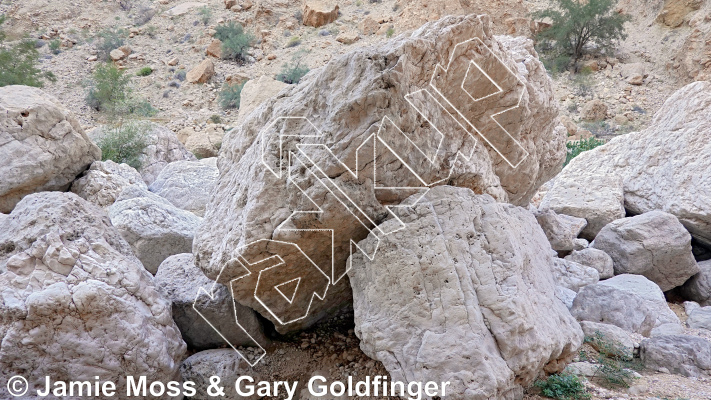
117, 55
214, 49
675, 11
256, 92
594, 110
368, 26
347, 37
318, 13
346, 102
693, 60
43, 146
202, 72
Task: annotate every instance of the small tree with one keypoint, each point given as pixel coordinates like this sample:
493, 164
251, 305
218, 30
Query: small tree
577, 23
292, 73
18, 63
108, 90
230, 95
235, 42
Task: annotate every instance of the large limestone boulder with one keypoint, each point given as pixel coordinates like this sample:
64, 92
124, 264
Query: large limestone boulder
631, 302
345, 103
561, 230
42, 145
179, 280
186, 184
594, 258
257, 91
698, 288
661, 168
609, 339
653, 244
572, 275
223, 363
463, 294
677, 354
599, 199
700, 318
154, 227
104, 181
163, 148
76, 302
205, 142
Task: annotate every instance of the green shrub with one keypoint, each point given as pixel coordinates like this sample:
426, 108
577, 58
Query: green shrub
563, 387
390, 32
215, 119
110, 39
145, 71
205, 14
292, 73
579, 146
294, 41
18, 63
124, 143
235, 42
230, 95
54, 46
615, 363
576, 24
108, 89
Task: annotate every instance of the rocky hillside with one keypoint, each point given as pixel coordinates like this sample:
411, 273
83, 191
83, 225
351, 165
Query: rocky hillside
367, 188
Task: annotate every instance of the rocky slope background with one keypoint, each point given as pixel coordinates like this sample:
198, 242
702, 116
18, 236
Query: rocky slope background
502, 277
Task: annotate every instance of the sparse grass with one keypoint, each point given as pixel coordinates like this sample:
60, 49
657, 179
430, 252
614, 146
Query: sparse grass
235, 42
293, 42
124, 143
563, 387
54, 46
598, 128
205, 14
615, 364
579, 146
230, 95
110, 39
145, 71
292, 73
390, 32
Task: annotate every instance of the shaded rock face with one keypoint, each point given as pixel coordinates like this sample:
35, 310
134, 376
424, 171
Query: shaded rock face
163, 148
631, 302
463, 294
677, 354
346, 102
104, 181
698, 288
594, 258
179, 280
42, 145
224, 363
660, 167
186, 184
154, 227
76, 302
561, 230
653, 244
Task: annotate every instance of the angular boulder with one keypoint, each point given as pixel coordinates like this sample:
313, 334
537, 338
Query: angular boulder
653, 244
599, 199
337, 122
465, 294
661, 168
700, 318
677, 354
257, 91
318, 13
609, 339
163, 148
594, 258
202, 72
223, 363
561, 230
186, 184
631, 302
178, 280
76, 302
572, 275
42, 145
104, 181
154, 227
698, 288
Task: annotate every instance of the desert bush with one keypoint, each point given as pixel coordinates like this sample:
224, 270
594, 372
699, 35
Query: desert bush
110, 92
205, 14
110, 39
389, 33
143, 15
615, 364
291, 73
230, 95
18, 63
563, 387
124, 142
293, 42
54, 46
579, 146
575, 25
145, 71
235, 41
